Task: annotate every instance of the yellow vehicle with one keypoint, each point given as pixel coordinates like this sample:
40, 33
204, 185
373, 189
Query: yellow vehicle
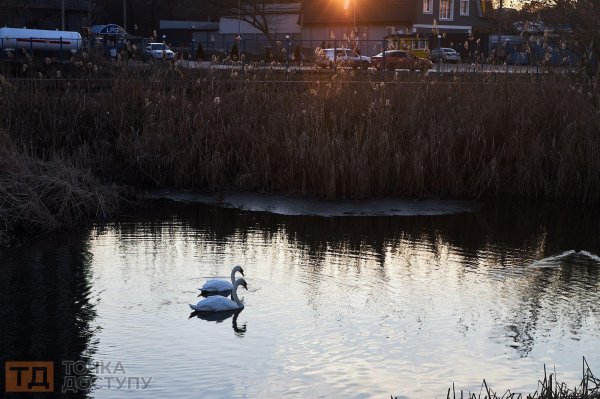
412, 43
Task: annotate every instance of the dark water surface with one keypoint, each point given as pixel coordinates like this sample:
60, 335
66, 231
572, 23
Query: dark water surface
350, 307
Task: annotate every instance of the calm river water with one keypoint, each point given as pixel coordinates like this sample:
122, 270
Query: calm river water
348, 307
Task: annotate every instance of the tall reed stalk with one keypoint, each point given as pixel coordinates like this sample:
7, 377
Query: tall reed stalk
548, 388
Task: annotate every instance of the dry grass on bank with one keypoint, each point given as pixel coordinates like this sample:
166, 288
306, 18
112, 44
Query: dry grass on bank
38, 196
548, 388
448, 136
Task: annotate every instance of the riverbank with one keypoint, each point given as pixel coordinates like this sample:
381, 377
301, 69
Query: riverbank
40, 196
352, 136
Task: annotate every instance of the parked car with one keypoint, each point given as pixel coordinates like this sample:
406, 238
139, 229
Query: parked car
444, 54
158, 51
328, 57
400, 59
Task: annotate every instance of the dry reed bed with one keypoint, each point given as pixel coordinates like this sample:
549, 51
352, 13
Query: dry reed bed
449, 136
548, 388
38, 196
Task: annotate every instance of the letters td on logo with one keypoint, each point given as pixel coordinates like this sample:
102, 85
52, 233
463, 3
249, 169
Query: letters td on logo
29, 376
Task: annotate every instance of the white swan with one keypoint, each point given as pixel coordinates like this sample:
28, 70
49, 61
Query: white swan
220, 303
552, 261
220, 287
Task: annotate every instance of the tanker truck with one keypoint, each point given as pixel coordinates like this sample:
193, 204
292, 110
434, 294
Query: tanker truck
38, 40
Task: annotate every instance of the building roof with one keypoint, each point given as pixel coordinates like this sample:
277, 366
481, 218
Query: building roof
189, 25
327, 12
110, 29
265, 8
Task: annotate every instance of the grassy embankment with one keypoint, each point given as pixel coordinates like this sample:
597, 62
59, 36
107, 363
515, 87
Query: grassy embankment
346, 136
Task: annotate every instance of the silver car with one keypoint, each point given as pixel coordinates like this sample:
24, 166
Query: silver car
328, 57
444, 54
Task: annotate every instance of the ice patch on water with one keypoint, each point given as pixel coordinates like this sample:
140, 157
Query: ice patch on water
295, 205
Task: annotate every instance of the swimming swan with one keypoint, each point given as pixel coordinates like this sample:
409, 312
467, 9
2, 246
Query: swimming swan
220, 287
220, 303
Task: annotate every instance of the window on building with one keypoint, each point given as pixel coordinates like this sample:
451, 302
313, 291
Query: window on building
446, 9
427, 6
464, 7
420, 44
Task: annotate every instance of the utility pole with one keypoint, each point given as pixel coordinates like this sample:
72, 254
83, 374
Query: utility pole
124, 15
89, 15
499, 30
271, 20
62, 15
354, 15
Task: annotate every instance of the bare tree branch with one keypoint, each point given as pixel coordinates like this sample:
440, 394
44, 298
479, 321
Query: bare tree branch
256, 13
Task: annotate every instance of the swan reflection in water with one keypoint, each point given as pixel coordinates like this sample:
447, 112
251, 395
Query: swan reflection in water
219, 317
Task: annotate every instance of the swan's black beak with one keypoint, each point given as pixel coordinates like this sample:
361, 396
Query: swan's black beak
242, 271
199, 295
246, 286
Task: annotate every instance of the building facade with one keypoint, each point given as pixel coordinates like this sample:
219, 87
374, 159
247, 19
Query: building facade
46, 14
365, 23
458, 24
360, 24
448, 16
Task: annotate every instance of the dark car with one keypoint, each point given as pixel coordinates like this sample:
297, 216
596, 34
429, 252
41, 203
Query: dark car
400, 59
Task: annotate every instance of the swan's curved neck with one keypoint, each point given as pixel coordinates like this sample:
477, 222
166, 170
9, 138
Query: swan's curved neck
236, 284
233, 276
